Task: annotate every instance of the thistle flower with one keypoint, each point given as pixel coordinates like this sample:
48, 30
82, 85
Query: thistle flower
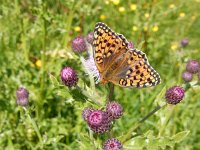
114, 109
86, 112
90, 67
78, 45
22, 95
68, 76
112, 144
174, 95
192, 66
99, 121
187, 76
130, 45
184, 42
90, 37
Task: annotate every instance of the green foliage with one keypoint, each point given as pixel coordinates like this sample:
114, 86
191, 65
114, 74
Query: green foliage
35, 43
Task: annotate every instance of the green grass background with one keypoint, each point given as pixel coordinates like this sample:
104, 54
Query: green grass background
32, 31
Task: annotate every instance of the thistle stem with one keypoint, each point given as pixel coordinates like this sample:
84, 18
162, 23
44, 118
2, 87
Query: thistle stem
110, 92
34, 126
88, 96
129, 133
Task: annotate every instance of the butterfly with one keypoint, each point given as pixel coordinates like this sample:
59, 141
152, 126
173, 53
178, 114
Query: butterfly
119, 64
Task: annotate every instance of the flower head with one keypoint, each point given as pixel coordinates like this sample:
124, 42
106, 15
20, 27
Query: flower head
187, 76
174, 95
184, 42
116, 2
182, 14
192, 66
155, 28
86, 112
90, 37
102, 17
68, 76
77, 29
133, 7
90, 67
78, 45
114, 109
22, 96
130, 45
121, 9
38, 63
99, 121
135, 28
112, 144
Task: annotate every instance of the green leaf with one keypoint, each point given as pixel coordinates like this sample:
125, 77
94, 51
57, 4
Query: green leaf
180, 136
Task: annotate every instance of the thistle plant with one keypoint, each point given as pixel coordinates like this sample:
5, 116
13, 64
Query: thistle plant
102, 120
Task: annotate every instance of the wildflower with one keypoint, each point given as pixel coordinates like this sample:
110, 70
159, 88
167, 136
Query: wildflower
22, 96
102, 17
130, 45
38, 63
193, 18
174, 95
77, 29
133, 7
112, 144
107, 2
116, 2
184, 42
174, 46
135, 28
90, 67
187, 76
145, 28
78, 45
182, 14
90, 37
114, 109
155, 28
68, 76
121, 9
192, 66
171, 6
146, 15
86, 112
99, 121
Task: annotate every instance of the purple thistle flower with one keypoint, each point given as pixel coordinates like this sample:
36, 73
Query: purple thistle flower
174, 95
192, 66
112, 144
130, 45
184, 42
79, 45
99, 121
86, 112
68, 76
114, 109
90, 67
22, 96
90, 37
101, 129
187, 76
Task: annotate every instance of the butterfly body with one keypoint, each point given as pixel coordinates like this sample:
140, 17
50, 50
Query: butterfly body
118, 64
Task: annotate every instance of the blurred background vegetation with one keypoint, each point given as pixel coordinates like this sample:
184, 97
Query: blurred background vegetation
35, 43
